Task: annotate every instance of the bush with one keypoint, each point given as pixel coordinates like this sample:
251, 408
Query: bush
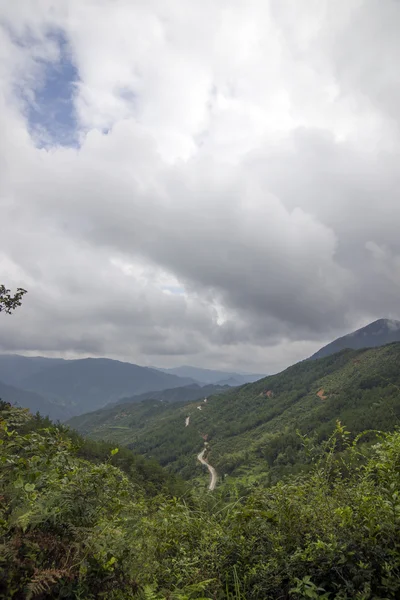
74, 528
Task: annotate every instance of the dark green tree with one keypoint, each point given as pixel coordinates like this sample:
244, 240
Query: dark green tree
9, 302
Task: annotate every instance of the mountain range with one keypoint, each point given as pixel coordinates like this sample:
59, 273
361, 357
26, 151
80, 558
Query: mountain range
252, 430
34, 402
64, 388
207, 376
15, 370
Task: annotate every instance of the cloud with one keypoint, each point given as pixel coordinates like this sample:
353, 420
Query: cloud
232, 198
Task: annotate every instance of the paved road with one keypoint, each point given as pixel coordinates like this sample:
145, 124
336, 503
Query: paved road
213, 472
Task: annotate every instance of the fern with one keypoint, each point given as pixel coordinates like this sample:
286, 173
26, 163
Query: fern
43, 581
149, 593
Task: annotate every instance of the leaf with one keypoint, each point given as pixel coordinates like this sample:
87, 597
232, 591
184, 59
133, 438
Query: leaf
110, 563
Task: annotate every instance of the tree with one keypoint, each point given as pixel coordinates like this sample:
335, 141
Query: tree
9, 302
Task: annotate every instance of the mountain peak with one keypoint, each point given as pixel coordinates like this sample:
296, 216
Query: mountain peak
378, 333
390, 324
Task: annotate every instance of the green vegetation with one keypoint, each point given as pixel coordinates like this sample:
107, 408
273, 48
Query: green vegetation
252, 429
9, 302
187, 393
74, 527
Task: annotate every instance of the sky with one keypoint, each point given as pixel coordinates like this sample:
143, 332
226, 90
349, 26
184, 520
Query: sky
210, 183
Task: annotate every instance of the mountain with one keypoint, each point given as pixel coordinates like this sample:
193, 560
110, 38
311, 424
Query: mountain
252, 429
14, 369
90, 383
138, 410
378, 333
34, 402
230, 381
187, 393
87, 384
213, 376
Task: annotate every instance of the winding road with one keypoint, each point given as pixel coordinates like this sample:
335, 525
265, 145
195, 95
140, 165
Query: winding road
213, 472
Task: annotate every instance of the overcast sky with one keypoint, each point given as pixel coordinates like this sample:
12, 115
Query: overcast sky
213, 183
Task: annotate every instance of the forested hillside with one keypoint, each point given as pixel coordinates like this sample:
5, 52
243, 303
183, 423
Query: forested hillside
74, 525
186, 393
251, 430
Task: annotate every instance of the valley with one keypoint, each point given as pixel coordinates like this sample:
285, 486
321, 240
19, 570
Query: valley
253, 429
63, 388
310, 523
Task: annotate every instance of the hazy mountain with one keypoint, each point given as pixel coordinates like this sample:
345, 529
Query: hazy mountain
230, 381
187, 393
251, 430
87, 384
14, 369
90, 383
378, 333
34, 402
213, 376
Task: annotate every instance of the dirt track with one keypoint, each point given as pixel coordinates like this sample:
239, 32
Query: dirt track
213, 472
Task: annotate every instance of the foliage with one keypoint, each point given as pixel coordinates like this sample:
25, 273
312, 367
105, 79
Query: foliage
9, 302
73, 525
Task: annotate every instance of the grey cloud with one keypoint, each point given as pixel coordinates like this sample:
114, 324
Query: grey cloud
231, 236
294, 239
365, 53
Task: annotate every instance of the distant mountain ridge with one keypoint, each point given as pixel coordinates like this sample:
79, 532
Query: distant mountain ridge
34, 402
64, 388
212, 376
14, 368
230, 382
81, 385
378, 333
187, 393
